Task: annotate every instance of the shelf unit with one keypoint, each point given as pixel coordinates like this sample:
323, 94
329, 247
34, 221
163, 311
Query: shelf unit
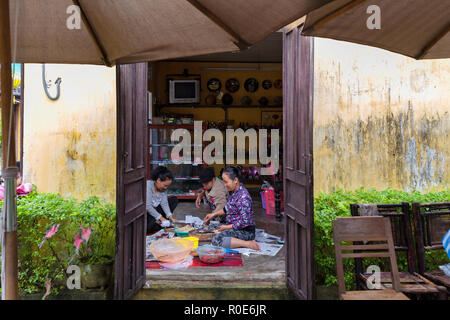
159, 150
222, 106
225, 108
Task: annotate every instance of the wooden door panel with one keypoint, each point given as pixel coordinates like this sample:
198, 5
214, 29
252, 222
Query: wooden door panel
298, 182
131, 179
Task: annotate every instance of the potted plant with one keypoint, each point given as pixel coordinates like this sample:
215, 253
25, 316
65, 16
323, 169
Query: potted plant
95, 244
94, 259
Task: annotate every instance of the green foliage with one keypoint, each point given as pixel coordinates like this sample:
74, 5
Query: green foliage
39, 211
102, 219
328, 207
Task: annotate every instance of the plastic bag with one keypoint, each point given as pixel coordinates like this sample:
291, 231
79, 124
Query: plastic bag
180, 265
165, 223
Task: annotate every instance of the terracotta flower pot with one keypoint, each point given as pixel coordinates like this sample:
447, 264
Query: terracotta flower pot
96, 275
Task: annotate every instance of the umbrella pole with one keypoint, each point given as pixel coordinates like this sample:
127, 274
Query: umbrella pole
9, 230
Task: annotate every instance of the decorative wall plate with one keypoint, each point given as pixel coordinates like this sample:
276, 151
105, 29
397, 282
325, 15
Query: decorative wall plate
278, 84
214, 85
210, 99
227, 99
278, 101
251, 85
263, 101
267, 84
246, 100
232, 85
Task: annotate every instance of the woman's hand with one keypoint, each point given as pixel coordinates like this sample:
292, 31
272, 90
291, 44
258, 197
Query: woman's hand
208, 218
225, 227
161, 220
198, 201
200, 196
171, 218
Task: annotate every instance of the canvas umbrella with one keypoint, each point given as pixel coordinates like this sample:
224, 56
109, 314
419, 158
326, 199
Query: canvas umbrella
125, 31
415, 28
108, 32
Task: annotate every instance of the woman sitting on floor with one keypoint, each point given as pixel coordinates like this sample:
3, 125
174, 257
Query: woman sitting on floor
159, 206
239, 230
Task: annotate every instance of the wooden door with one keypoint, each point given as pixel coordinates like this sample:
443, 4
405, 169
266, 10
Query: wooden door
132, 113
298, 161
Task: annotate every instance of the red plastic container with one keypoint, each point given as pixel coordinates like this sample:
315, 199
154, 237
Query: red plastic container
269, 201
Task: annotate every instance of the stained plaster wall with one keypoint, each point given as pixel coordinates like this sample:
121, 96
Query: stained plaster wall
380, 119
70, 144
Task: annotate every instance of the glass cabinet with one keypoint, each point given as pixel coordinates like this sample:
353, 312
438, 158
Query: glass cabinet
186, 183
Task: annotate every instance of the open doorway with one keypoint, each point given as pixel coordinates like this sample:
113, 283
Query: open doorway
241, 90
246, 90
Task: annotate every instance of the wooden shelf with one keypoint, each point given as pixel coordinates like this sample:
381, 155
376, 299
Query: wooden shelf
164, 162
184, 196
187, 178
159, 106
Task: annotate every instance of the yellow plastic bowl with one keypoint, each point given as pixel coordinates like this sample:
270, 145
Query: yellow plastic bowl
193, 239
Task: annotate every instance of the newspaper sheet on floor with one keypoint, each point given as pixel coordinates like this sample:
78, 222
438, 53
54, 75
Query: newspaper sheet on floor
266, 242
161, 234
268, 249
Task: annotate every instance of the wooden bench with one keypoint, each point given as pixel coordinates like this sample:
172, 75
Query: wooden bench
431, 222
412, 282
364, 229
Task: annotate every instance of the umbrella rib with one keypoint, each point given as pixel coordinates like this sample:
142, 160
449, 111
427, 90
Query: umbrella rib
433, 42
239, 42
93, 34
333, 15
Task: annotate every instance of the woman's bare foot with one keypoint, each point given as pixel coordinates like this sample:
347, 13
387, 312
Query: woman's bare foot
238, 243
253, 245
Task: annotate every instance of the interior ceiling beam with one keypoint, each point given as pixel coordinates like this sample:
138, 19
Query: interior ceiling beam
93, 35
239, 42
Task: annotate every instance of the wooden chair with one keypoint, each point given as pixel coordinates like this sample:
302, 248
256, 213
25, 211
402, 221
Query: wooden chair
412, 282
351, 229
431, 222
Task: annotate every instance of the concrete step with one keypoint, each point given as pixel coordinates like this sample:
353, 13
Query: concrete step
213, 290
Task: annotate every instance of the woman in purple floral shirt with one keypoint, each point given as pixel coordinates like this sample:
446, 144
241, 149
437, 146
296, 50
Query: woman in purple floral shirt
239, 230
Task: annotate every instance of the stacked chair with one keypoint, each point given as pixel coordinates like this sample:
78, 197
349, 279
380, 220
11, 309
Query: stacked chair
367, 229
431, 221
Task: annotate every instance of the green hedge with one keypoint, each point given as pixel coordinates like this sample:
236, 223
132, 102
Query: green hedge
328, 207
36, 213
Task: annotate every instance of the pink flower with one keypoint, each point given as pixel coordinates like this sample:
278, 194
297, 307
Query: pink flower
49, 233
77, 241
24, 189
85, 233
47, 286
52, 230
28, 187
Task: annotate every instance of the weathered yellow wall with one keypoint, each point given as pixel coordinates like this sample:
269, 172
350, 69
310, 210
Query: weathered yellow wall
70, 144
380, 119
